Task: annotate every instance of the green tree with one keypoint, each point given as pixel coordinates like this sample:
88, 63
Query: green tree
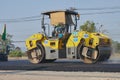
88, 26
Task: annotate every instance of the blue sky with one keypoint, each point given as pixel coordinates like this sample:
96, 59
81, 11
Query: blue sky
10, 9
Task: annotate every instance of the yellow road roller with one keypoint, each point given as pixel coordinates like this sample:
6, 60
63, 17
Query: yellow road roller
60, 39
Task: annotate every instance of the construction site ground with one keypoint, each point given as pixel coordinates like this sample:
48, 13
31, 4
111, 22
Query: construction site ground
58, 75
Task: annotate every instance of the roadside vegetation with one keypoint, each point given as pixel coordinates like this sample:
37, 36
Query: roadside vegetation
116, 47
13, 50
17, 52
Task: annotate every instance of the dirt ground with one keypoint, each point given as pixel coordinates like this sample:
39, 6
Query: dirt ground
115, 56
49, 75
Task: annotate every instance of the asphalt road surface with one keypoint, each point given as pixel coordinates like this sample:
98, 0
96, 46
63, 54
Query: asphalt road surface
62, 65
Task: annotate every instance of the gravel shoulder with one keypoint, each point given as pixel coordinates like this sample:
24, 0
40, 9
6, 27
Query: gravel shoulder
52, 75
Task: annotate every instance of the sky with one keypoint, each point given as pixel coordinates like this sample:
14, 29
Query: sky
12, 9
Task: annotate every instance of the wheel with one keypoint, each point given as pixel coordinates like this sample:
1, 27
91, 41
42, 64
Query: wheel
88, 55
37, 55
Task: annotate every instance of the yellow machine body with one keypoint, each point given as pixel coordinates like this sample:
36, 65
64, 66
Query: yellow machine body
73, 41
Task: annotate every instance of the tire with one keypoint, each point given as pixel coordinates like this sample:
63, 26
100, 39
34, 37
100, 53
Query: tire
37, 55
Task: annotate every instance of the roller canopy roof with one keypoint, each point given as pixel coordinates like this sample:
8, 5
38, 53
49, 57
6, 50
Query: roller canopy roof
66, 11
